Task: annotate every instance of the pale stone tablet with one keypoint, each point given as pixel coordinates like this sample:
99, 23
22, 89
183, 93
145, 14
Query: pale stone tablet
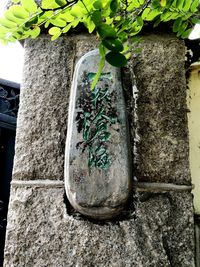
97, 158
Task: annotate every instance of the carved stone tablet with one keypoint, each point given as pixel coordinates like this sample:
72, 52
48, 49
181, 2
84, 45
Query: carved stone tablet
97, 161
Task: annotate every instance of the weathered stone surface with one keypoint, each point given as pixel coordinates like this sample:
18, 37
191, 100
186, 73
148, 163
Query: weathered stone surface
42, 118
197, 241
97, 162
41, 234
162, 133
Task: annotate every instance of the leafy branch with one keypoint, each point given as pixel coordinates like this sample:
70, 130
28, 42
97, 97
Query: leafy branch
115, 22
60, 7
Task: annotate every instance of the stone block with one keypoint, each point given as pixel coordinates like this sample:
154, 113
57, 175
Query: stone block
40, 233
162, 149
97, 159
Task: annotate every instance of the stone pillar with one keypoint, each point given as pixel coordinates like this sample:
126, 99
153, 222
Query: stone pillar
41, 231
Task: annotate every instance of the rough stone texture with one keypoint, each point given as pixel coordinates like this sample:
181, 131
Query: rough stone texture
162, 147
41, 234
42, 117
197, 241
97, 191
40, 231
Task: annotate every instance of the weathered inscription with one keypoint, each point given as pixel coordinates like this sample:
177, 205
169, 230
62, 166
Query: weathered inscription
96, 117
97, 163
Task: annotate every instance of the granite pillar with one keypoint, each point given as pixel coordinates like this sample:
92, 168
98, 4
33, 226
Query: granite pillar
42, 230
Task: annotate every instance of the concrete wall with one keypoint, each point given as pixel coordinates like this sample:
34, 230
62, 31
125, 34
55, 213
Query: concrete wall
157, 228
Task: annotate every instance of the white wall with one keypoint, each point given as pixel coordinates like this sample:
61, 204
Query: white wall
194, 131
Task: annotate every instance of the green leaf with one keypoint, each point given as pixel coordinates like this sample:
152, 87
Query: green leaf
74, 23
109, 21
66, 16
146, 12
186, 33
77, 11
29, 5
177, 24
67, 28
166, 15
139, 21
173, 4
194, 6
3, 30
187, 5
182, 28
35, 32
116, 59
54, 37
157, 22
25, 35
46, 25
141, 2
7, 23
19, 12
90, 25
60, 2
97, 4
155, 4
9, 15
98, 74
123, 36
96, 17
48, 4
163, 3
152, 14
135, 28
45, 15
31, 22
54, 31
134, 4
58, 22
195, 20
113, 44
179, 4
173, 16
114, 5
106, 31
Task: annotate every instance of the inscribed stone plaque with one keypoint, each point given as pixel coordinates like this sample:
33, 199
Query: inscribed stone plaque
97, 158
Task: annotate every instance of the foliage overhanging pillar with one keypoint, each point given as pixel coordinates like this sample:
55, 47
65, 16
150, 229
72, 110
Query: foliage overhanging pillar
40, 230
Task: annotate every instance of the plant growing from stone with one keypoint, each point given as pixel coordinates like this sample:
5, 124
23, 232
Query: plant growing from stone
117, 23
